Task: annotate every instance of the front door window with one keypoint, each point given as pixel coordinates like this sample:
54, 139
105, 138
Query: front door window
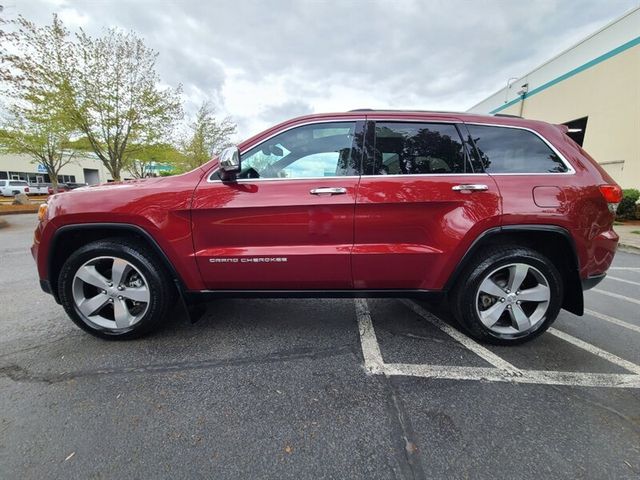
310, 151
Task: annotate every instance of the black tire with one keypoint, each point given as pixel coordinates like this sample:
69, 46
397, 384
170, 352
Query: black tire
158, 282
465, 301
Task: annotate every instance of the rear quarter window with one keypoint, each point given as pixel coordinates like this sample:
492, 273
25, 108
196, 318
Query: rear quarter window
513, 150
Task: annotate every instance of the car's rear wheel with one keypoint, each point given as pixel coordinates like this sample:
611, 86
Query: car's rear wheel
508, 295
115, 289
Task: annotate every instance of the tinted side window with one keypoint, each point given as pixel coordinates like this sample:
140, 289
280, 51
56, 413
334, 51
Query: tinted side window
417, 148
511, 150
319, 150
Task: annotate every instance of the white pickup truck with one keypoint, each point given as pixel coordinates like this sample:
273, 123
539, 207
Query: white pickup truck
39, 188
9, 188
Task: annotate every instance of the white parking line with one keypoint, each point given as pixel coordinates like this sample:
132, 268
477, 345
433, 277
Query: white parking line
610, 357
633, 269
624, 280
615, 295
505, 372
539, 377
370, 348
484, 353
615, 321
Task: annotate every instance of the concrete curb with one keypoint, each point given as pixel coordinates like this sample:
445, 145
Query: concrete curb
625, 247
19, 212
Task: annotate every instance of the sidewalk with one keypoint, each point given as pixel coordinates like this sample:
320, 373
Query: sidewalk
627, 239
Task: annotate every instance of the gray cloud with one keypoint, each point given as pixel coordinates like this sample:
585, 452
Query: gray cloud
264, 61
284, 111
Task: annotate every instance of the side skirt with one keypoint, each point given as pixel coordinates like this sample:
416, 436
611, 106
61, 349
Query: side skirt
205, 295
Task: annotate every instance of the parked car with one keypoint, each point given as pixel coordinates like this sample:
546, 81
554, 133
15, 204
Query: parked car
73, 185
509, 219
62, 187
9, 188
39, 188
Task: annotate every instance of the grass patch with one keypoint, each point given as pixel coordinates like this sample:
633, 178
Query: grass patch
637, 232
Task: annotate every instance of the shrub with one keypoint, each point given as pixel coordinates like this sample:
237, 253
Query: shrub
627, 206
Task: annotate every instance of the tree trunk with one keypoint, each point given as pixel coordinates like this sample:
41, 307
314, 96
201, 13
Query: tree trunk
115, 172
53, 176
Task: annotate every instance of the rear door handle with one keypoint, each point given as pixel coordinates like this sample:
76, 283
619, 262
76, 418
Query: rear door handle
328, 191
470, 188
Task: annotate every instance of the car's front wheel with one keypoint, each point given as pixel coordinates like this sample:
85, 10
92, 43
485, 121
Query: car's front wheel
508, 295
115, 289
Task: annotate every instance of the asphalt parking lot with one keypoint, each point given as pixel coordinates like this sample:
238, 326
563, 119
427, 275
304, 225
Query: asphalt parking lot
316, 389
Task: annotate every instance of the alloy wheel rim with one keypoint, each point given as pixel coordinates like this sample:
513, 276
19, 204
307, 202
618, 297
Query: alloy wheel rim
110, 293
513, 299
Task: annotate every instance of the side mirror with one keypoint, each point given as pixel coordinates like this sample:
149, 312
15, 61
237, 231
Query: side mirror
229, 163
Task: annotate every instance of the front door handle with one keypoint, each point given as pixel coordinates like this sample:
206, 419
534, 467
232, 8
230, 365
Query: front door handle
328, 191
470, 188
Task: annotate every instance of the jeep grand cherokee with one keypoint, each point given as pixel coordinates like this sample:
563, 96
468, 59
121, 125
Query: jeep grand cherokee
507, 218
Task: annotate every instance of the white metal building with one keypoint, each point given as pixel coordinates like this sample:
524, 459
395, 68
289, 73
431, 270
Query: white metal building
594, 88
84, 168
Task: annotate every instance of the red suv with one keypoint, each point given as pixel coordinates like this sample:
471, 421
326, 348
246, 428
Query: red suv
507, 218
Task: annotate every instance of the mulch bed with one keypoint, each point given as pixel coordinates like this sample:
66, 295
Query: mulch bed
12, 209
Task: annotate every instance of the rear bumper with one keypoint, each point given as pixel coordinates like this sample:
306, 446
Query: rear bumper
592, 281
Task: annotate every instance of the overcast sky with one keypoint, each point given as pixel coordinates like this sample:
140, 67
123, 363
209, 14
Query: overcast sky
261, 62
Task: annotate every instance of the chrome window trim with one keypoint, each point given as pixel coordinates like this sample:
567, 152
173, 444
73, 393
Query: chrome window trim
570, 169
428, 175
441, 175
252, 180
311, 122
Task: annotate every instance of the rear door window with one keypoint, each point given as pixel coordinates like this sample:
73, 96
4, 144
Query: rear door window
514, 150
417, 149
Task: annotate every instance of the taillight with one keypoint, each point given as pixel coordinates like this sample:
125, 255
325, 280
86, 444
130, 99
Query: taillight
26, 189
612, 195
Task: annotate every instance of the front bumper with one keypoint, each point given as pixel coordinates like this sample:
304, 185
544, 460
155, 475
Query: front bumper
46, 287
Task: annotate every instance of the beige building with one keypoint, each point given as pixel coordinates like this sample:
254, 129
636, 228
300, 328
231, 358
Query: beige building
83, 168
594, 88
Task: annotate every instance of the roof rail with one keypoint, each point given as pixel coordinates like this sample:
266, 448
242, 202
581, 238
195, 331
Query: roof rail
506, 115
400, 110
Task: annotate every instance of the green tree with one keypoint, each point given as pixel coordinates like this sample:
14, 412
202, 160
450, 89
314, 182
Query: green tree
206, 136
108, 85
43, 137
148, 155
35, 124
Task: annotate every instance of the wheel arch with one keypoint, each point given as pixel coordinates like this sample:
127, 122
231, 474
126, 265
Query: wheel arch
553, 241
69, 237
